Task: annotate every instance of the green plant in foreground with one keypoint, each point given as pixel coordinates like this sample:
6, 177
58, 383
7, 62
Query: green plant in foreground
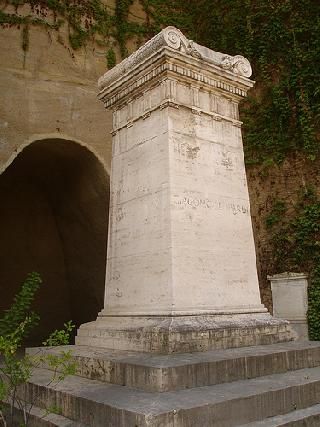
20, 312
314, 306
16, 371
61, 337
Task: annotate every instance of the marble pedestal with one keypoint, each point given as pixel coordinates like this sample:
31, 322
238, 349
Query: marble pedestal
181, 268
290, 300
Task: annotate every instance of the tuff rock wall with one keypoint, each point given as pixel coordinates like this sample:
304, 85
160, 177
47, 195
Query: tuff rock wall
55, 152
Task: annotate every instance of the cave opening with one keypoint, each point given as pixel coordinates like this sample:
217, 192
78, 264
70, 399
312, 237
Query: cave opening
54, 220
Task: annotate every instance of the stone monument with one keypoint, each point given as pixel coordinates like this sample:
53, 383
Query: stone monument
290, 300
181, 274
181, 268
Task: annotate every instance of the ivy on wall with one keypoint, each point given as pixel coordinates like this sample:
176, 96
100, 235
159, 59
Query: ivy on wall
281, 38
86, 20
296, 241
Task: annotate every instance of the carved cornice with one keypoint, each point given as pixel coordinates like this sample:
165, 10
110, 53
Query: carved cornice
233, 69
169, 104
110, 96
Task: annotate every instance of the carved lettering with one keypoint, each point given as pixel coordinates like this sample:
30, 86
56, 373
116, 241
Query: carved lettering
238, 282
218, 205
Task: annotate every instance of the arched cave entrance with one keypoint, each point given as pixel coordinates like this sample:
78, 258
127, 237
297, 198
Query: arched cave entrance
53, 220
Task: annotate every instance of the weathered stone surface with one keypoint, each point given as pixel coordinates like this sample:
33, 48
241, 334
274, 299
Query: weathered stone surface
39, 417
290, 300
49, 91
180, 371
180, 334
53, 215
48, 101
181, 239
181, 262
224, 405
309, 417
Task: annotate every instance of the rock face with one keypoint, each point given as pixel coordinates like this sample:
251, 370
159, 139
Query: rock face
54, 222
49, 104
222, 388
49, 92
54, 187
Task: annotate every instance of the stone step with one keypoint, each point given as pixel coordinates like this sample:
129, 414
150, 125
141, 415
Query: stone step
39, 417
309, 417
223, 405
181, 371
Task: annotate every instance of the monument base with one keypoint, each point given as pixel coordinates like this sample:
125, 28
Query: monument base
182, 334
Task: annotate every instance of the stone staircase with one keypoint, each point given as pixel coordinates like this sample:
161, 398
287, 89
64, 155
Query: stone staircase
262, 386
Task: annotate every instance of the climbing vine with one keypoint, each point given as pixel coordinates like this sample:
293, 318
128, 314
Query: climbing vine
86, 21
296, 246
281, 38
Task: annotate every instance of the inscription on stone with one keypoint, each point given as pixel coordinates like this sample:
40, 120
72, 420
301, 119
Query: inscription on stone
235, 208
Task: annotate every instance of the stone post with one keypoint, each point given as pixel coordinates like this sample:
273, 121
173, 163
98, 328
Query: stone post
181, 269
290, 300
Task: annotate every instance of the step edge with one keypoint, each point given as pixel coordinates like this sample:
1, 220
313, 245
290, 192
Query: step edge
315, 408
